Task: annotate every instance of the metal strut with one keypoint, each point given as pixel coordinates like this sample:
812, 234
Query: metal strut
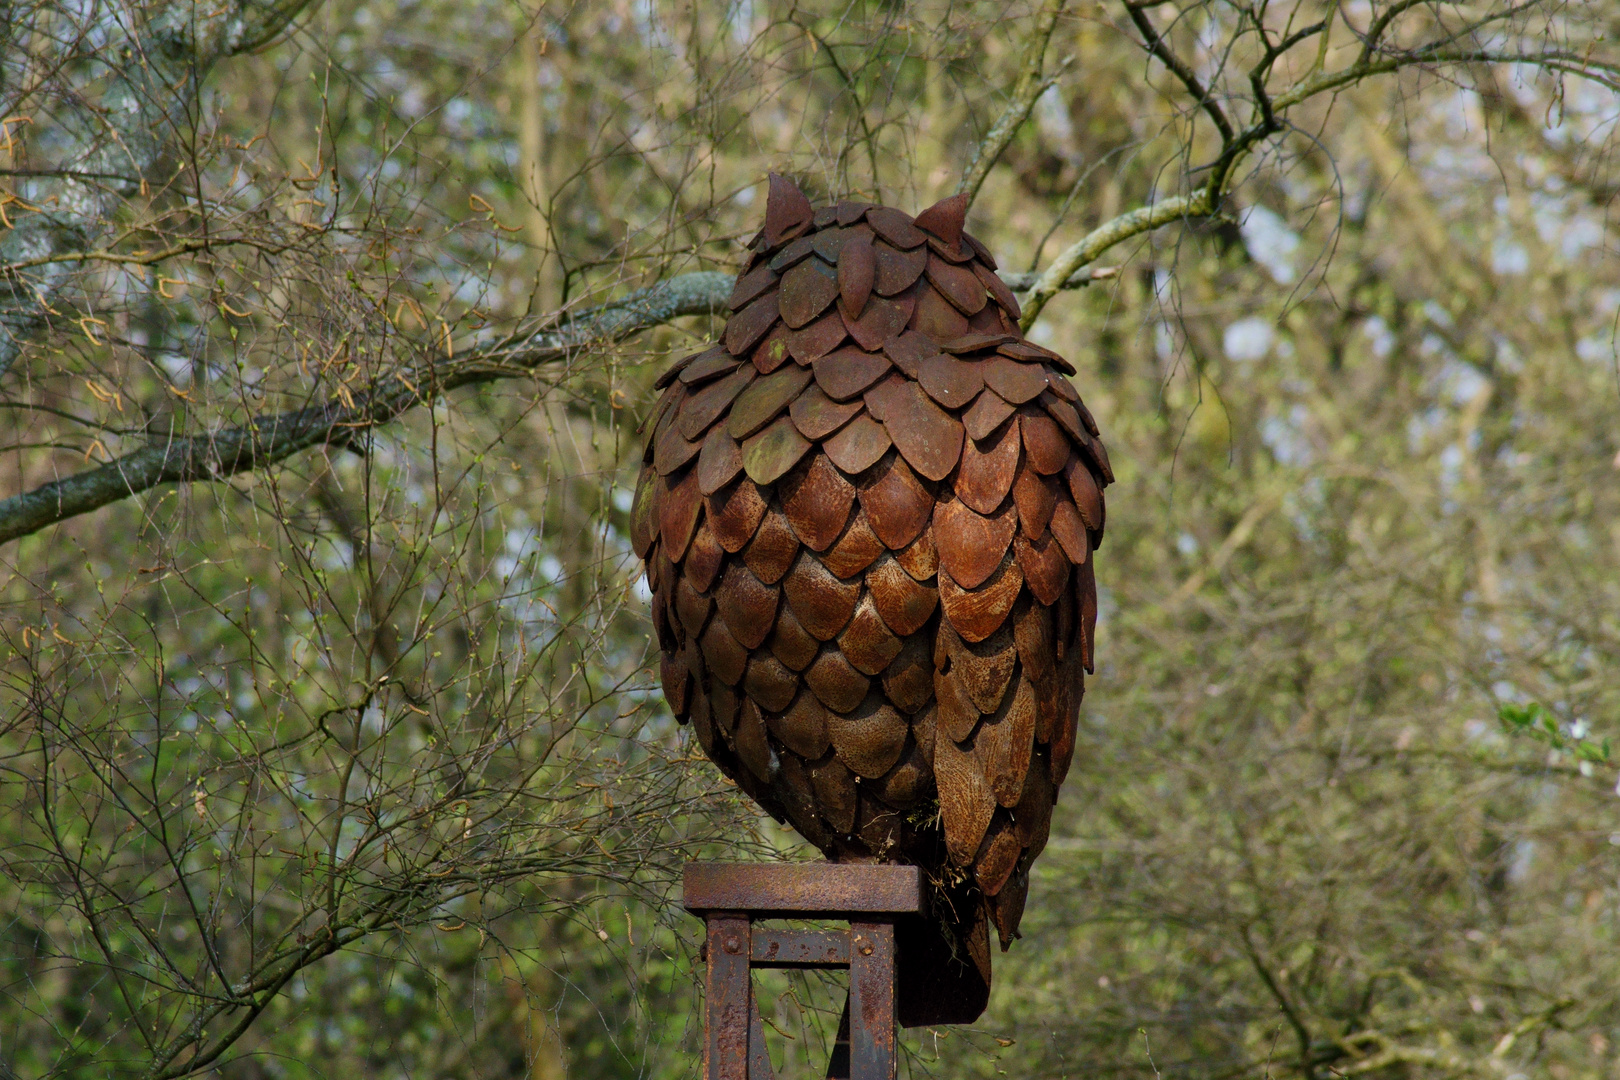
731, 896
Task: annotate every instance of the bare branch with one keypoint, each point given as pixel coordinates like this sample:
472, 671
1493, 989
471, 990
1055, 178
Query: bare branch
336, 422
1027, 90
179, 459
120, 133
1144, 219
1181, 70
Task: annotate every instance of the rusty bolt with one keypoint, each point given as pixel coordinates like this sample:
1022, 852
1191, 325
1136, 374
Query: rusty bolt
733, 944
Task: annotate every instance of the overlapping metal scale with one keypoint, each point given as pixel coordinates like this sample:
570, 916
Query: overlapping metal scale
869, 516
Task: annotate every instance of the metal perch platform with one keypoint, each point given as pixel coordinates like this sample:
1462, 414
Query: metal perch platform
730, 897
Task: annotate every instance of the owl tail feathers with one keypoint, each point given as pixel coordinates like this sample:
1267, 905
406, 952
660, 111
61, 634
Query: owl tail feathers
943, 965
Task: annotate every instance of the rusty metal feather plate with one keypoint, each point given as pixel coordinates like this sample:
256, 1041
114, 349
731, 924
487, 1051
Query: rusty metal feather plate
817, 416
818, 338
979, 612
836, 793
726, 657
707, 365
920, 558
1044, 442
1014, 381
895, 227
769, 682
979, 250
719, 461
966, 802
644, 512
909, 678
1045, 566
857, 273
822, 602
744, 329
698, 412
1005, 742
1036, 498
1071, 532
772, 452
988, 412
945, 218
1088, 497
770, 554
747, 605
927, 436
903, 603
802, 726
765, 399
848, 372
786, 209
751, 742
772, 353
791, 643
855, 550
958, 284
998, 289
734, 513
818, 500
751, 286
987, 470
936, 316
896, 504
678, 506
867, 642
836, 683
704, 557
850, 211
858, 446
806, 291
975, 340
882, 319
971, 545
908, 350
870, 738
895, 270
951, 382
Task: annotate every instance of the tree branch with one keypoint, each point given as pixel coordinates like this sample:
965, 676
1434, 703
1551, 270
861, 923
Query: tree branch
1027, 90
119, 134
1062, 273
1160, 49
179, 459
340, 421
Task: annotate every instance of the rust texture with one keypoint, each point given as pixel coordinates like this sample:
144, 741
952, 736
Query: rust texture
800, 948
869, 517
727, 998
871, 1000
802, 890
873, 898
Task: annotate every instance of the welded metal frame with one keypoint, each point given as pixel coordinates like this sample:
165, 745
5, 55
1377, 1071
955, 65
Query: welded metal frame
730, 897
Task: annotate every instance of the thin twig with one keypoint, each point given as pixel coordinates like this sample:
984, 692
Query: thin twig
1026, 91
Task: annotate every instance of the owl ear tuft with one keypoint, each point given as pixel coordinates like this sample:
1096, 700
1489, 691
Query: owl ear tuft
945, 218
786, 209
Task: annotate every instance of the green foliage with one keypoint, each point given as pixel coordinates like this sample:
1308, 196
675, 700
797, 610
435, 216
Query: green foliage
1536, 721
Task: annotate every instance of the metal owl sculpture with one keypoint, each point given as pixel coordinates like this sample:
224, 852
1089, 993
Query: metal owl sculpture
868, 518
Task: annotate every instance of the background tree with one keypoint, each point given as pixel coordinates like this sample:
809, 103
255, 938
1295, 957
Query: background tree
328, 740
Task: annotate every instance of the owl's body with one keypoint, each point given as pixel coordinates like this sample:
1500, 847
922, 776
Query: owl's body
868, 519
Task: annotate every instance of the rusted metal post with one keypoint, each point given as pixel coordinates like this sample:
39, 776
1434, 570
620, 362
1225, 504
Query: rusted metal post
731, 896
727, 998
871, 1001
